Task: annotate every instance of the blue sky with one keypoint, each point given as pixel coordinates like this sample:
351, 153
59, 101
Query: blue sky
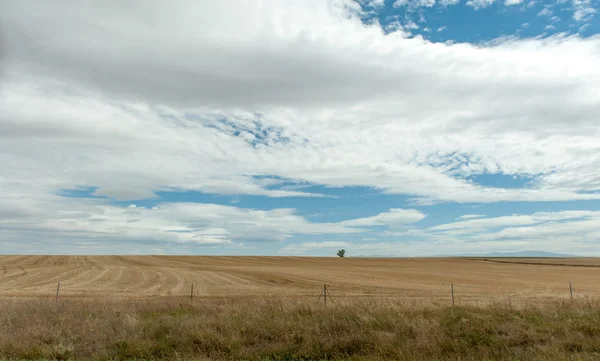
481, 21
406, 128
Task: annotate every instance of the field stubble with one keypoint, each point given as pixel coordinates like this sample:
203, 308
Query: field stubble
426, 280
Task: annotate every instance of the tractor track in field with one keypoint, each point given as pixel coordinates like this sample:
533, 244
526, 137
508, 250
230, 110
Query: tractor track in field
143, 277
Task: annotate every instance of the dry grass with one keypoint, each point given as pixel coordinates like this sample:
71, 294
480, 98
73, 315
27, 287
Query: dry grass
213, 329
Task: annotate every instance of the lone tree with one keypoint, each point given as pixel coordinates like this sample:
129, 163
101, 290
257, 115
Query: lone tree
341, 253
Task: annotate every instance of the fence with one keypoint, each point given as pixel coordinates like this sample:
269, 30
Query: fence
325, 293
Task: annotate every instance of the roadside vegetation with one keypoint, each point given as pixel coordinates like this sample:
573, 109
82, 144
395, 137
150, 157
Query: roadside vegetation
226, 329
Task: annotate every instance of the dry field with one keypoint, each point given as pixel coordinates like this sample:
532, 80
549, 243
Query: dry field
264, 308
301, 278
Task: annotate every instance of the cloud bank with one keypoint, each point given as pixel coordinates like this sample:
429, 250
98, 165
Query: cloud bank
211, 97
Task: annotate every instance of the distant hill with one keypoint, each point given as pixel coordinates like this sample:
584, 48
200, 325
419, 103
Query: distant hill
529, 254
523, 254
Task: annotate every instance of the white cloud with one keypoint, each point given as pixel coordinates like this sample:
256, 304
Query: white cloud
134, 102
68, 220
546, 11
485, 223
406, 249
312, 246
388, 249
471, 216
392, 137
581, 234
515, 220
574, 232
410, 25
394, 218
476, 4
373, 3
441, 28
393, 26
583, 10
479, 4
566, 231
414, 3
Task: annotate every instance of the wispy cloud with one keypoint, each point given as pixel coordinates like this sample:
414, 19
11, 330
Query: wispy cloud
373, 3
548, 231
395, 217
414, 3
471, 216
583, 10
448, 2
479, 4
198, 223
576, 227
546, 11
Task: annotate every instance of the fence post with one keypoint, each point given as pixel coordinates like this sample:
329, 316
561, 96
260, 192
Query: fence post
324, 293
57, 289
571, 289
452, 287
192, 293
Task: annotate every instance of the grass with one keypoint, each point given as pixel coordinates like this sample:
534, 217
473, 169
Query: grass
252, 329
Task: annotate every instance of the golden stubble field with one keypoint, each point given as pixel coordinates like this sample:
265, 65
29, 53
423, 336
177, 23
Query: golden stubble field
302, 278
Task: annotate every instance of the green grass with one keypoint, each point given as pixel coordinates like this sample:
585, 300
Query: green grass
283, 330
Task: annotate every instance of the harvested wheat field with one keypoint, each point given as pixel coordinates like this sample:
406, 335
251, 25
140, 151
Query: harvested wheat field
265, 308
427, 280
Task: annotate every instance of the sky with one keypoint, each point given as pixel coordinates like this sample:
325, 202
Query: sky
387, 128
